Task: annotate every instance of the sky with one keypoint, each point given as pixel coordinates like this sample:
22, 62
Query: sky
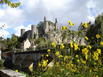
33, 11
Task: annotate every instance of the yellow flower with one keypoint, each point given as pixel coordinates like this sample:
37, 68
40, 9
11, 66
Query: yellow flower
70, 23
64, 28
60, 56
47, 55
101, 43
48, 50
62, 46
85, 25
71, 44
97, 76
78, 60
53, 44
76, 56
57, 53
89, 46
98, 36
31, 67
44, 63
65, 58
83, 61
16, 70
90, 70
76, 46
69, 57
99, 51
39, 64
86, 56
85, 51
86, 37
96, 56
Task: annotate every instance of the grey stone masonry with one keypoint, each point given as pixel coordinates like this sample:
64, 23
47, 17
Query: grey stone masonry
22, 31
10, 73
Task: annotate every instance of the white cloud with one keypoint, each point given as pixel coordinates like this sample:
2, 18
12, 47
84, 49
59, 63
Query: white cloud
11, 16
91, 4
34, 10
3, 25
3, 33
18, 28
3, 30
91, 18
55, 4
1, 13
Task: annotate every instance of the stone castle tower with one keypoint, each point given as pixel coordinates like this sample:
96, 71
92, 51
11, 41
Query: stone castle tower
22, 32
46, 27
34, 31
56, 22
49, 26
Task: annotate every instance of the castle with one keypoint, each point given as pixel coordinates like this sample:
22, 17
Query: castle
45, 29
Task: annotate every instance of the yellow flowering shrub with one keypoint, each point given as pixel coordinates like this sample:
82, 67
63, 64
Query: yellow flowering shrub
74, 58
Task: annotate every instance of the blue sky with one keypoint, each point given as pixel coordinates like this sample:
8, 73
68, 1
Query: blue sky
33, 11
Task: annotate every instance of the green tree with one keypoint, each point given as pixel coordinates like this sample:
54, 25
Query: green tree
9, 3
11, 43
96, 28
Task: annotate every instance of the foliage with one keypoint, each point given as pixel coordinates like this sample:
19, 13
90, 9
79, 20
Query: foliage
1, 64
9, 3
83, 62
96, 28
72, 60
11, 43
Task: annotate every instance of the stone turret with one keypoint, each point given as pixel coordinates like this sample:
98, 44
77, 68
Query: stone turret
55, 23
32, 31
46, 25
22, 32
44, 19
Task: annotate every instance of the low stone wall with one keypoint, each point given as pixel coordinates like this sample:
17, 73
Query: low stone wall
10, 73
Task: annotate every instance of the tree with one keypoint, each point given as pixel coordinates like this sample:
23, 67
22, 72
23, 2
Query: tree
11, 43
9, 3
96, 28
